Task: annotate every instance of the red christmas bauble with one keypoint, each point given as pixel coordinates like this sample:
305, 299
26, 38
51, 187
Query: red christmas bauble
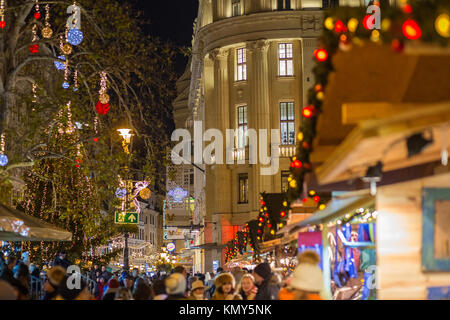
411, 30
321, 54
101, 108
2, 24
37, 15
95, 139
34, 48
306, 145
407, 8
309, 111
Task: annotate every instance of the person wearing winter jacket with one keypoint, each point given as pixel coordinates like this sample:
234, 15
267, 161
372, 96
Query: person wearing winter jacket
226, 288
198, 291
268, 283
307, 281
248, 290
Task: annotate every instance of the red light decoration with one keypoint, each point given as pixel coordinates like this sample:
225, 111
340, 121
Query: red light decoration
2, 24
262, 203
296, 164
259, 230
398, 45
321, 55
267, 214
304, 200
309, 111
101, 108
270, 226
306, 145
37, 15
318, 87
261, 219
411, 30
407, 8
339, 26
95, 139
316, 199
282, 214
34, 48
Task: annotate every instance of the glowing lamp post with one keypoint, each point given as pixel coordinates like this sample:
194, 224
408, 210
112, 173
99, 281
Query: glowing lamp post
126, 135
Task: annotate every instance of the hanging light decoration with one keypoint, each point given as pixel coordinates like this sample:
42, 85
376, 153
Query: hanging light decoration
3, 157
103, 103
74, 35
352, 24
47, 31
309, 111
2, 14
37, 14
328, 23
75, 81
60, 65
34, 48
66, 84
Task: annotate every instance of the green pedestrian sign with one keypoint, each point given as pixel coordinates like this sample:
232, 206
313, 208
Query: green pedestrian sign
126, 218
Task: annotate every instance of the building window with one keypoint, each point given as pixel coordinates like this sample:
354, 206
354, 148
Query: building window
284, 180
236, 4
242, 127
287, 123
286, 60
243, 188
241, 60
284, 5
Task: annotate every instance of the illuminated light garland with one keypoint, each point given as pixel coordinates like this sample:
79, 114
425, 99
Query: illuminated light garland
37, 14
442, 25
2, 14
411, 30
75, 80
47, 31
321, 54
34, 48
3, 157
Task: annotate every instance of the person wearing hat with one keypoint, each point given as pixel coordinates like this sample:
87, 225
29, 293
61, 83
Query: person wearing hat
267, 283
176, 287
113, 285
307, 280
62, 260
198, 291
226, 288
55, 276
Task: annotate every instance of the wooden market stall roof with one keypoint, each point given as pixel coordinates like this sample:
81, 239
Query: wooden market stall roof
373, 83
339, 206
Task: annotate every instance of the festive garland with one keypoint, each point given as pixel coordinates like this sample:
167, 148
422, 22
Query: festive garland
426, 21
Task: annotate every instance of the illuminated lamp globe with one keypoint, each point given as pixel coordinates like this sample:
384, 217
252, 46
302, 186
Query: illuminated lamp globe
75, 36
3, 160
47, 32
125, 134
58, 64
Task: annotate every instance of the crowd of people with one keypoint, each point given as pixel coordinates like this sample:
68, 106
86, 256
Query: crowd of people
262, 283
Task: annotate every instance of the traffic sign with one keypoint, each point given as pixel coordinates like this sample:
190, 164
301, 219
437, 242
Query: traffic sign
126, 218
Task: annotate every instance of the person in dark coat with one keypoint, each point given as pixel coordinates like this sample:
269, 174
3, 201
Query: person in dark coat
7, 273
62, 260
105, 274
268, 283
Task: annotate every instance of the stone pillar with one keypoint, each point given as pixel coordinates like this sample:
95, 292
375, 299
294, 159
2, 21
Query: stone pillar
259, 108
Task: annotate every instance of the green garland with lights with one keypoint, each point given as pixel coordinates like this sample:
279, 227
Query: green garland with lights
417, 20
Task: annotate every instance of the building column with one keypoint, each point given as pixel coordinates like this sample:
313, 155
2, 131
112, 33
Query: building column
259, 109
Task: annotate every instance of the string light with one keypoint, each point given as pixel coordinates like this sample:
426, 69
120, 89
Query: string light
34, 48
37, 14
75, 80
2, 14
3, 156
47, 31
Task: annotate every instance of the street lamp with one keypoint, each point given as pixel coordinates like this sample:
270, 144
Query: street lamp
126, 135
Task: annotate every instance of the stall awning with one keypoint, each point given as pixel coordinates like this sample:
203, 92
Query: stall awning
337, 207
18, 226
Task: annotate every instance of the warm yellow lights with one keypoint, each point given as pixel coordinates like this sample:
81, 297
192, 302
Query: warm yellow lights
126, 134
328, 23
352, 24
442, 25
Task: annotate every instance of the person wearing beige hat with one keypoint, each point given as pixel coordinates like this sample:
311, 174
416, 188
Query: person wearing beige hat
198, 291
307, 281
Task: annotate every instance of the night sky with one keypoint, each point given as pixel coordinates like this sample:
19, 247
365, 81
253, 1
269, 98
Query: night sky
170, 20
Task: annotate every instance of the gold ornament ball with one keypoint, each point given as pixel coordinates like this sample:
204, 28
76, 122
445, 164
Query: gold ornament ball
47, 32
104, 98
352, 24
329, 24
320, 96
67, 49
145, 193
